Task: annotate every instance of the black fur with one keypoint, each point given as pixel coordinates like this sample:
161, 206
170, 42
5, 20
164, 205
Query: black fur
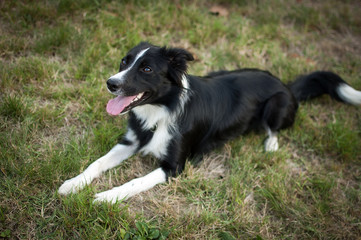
218, 107
316, 84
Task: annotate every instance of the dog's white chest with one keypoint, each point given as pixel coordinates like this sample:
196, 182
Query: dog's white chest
159, 117
159, 143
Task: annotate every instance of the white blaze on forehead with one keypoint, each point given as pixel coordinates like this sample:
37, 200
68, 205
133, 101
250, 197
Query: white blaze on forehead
120, 75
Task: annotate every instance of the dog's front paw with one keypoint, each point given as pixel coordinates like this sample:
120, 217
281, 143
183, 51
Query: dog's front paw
113, 195
72, 185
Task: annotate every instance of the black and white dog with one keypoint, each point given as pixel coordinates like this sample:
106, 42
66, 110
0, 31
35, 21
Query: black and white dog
176, 116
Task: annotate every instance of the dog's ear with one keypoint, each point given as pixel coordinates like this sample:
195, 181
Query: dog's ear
177, 59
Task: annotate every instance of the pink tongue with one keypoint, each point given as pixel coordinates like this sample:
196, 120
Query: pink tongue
115, 106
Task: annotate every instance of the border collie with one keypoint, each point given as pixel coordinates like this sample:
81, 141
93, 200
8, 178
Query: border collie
176, 116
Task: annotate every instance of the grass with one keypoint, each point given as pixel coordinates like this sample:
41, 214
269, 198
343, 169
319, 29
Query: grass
55, 58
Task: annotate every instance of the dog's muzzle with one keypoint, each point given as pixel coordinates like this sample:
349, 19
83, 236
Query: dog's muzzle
113, 84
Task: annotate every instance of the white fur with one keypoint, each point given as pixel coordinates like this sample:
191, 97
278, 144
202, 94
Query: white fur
160, 140
151, 115
185, 93
349, 94
132, 188
113, 158
131, 136
185, 82
271, 143
159, 117
120, 76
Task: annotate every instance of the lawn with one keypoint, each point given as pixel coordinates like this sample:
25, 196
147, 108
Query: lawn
55, 57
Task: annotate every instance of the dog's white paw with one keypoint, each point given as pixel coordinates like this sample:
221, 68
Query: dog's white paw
271, 144
72, 185
132, 188
112, 196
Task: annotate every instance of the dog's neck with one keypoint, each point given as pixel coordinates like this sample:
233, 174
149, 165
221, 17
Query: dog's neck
153, 115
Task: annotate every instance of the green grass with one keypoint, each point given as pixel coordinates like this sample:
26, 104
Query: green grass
55, 56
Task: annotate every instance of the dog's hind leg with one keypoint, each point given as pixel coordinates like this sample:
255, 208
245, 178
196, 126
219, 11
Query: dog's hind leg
114, 157
278, 113
271, 143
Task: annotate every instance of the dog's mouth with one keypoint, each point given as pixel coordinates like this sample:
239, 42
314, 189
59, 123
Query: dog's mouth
122, 104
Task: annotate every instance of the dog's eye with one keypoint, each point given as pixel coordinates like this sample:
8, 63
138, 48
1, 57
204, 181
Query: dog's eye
123, 62
147, 69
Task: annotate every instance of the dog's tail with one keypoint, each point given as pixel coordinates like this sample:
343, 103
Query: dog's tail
319, 83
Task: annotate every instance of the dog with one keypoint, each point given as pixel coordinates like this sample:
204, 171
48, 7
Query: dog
176, 116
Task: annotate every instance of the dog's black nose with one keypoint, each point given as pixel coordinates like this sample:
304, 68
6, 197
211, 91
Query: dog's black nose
113, 84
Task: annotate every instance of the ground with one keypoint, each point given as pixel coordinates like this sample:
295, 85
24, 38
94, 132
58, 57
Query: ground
55, 58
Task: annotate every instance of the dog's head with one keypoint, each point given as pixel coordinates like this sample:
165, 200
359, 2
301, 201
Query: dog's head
147, 74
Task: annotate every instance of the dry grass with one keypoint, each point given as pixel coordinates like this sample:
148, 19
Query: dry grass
54, 57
